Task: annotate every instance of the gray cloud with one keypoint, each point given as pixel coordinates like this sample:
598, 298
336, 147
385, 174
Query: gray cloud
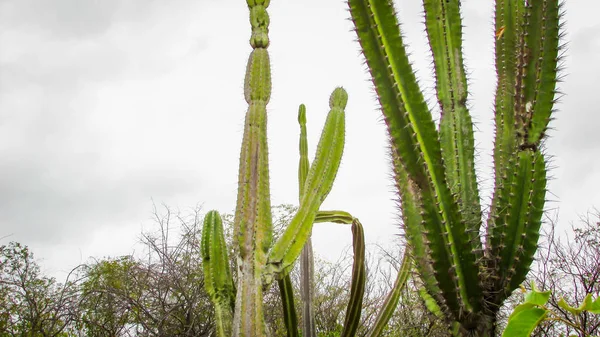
57, 177
106, 104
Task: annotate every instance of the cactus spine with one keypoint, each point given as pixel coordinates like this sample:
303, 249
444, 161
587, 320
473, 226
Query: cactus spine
434, 167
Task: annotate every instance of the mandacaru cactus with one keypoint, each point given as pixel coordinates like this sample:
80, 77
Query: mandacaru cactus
260, 261
465, 278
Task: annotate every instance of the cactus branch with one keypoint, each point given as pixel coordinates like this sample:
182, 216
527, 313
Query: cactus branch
307, 268
391, 301
444, 30
318, 184
357, 287
217, 275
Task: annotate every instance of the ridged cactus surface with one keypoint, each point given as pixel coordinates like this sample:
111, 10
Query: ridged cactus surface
435, 166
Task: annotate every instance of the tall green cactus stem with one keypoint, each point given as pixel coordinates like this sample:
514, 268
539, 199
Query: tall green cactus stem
307, 268
434, 168
217, 274
252, 223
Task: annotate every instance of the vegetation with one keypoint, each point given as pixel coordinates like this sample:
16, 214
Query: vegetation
162, 293
135, 296
463, 281
464, 271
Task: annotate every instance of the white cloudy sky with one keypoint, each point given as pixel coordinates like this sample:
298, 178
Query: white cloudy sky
106, 105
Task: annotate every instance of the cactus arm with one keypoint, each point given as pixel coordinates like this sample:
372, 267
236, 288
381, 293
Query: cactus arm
357, 286
286, 291
306, 257
508, 21
527, 245
517, 208
304, 164
416, 145
416, 240
318, 184
508, 25
217, 274
520, 227
540, 75
252, 223
444, 30
309, 328
391, 301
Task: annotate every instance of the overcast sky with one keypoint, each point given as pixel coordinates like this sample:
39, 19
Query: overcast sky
108, 105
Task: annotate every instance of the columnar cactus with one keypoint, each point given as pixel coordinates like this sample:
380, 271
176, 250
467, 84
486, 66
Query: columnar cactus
434, 167
239, 309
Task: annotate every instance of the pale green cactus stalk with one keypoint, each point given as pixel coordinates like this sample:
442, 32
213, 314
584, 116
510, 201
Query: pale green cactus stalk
464, 280
307, 267
239, 310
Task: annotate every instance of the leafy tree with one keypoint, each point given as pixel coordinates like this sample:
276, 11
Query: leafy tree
32, 304
160, 295
104, 307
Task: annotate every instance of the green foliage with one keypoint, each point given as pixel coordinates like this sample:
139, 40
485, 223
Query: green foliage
31, 303
465, 281
527, 315
104, 307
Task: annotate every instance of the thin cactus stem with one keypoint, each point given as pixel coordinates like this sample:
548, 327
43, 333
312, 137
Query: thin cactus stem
290, 318
357, 287
307, 268
391, 301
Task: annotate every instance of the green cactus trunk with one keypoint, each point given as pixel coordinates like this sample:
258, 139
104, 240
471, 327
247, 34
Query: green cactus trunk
252, 223
434, 168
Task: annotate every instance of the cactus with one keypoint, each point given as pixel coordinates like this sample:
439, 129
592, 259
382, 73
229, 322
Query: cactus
260, 261
465, 280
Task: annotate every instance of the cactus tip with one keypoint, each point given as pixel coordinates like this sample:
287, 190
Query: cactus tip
339, 98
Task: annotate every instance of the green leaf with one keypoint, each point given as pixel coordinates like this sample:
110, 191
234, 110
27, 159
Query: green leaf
524, 320
537, 297
588, 304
